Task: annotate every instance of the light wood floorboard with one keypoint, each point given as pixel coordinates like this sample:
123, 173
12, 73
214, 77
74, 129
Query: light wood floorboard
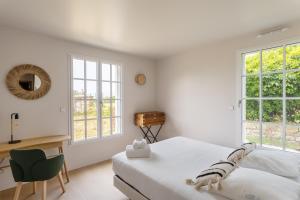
94, 182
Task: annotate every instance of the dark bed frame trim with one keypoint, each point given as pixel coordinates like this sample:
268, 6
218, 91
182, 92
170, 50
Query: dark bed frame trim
132, 187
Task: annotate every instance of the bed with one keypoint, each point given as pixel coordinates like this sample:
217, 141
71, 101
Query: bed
163, 175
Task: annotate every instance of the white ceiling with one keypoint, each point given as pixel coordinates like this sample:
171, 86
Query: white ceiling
152, 28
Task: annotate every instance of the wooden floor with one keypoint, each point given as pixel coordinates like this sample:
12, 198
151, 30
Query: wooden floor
89, 183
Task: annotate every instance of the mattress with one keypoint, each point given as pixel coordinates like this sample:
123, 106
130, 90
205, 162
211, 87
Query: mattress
162, 177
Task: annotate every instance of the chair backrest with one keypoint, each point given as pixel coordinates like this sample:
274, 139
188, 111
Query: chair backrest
22, 161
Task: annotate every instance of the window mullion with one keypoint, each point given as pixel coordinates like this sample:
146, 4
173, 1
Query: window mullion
120, 72
260, 100
99, 99
283, 133
85, 102
71, 119
242, 101
110, 99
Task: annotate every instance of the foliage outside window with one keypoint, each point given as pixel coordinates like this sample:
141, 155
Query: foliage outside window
96, 99
271, 97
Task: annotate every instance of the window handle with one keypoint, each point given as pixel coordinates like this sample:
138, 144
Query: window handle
240, 102
101, 103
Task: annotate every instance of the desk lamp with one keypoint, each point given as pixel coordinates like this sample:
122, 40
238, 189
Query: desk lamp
13, 117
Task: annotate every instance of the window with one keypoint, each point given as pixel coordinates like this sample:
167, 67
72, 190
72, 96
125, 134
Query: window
271, 97
96, 99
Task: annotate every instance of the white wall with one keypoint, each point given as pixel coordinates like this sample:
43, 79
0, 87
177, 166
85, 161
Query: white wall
43, 117
197, 88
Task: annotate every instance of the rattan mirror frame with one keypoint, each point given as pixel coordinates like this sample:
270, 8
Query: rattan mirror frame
14, 75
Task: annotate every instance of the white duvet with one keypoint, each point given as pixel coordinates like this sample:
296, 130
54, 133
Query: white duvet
163, 175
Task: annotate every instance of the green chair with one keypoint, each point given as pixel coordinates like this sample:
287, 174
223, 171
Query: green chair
32, 166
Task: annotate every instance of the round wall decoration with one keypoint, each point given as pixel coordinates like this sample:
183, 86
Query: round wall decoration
28, 81
140, 79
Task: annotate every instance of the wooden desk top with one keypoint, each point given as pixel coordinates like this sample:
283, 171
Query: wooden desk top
31, 142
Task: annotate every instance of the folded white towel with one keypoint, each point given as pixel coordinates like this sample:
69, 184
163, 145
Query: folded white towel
138, 153
139, 143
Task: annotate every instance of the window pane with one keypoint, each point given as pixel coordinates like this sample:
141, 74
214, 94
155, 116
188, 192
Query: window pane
116, 108
106, 72
272, 123
78, 88
78, 109
293, 124
79, 130
91, 128
252, 110
116, 91
105, 90
252, 86
293, 84
252, 62
292, 140
251, 130
116, 125
272, 85
272, 59
91, 109
293, 56
106, 109
91, 89
293, 111
78, 68
116, 75
251, 127
91, 70
106, 127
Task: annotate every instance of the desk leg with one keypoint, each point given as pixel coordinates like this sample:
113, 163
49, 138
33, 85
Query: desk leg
60, 149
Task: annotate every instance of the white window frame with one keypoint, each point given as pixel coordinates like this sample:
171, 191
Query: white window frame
98, 99
241, 88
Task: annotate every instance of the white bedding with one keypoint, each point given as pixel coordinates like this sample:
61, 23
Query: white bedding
162, 177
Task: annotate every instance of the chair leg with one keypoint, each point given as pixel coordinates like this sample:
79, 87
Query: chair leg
18, 190
44, 197
61, 182
34, 187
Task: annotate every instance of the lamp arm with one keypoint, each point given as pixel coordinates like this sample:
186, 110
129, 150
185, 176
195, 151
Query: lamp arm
11, 129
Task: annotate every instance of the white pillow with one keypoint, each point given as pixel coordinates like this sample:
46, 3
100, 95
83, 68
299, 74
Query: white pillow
273, 161
251, 184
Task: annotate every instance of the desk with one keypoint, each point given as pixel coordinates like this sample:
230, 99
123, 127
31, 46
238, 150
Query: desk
47, 142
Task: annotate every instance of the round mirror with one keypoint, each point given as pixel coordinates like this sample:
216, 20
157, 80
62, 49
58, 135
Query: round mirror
30, 82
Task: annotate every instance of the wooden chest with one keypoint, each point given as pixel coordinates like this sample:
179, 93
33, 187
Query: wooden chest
143, 119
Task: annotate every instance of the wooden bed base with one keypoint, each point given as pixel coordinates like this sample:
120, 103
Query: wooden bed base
128, 190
